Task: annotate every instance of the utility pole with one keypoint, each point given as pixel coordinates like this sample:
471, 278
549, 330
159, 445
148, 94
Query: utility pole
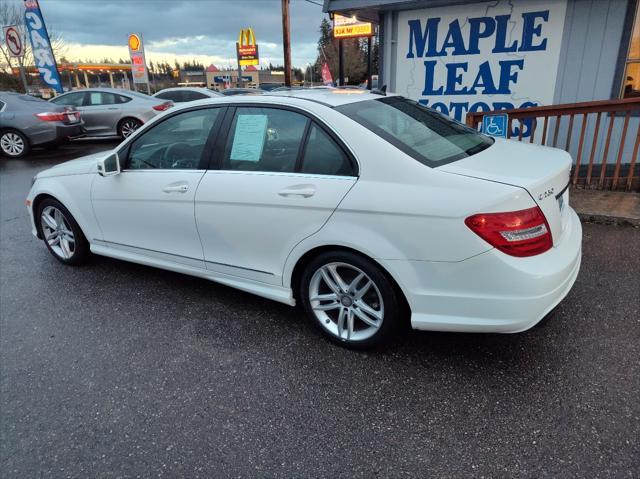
340, 63
369, 63
286, 42
23, 77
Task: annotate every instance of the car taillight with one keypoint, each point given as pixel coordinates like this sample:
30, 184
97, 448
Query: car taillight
516, 233
163, 106
52, 116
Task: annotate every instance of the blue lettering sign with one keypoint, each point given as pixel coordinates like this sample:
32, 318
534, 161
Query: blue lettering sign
41, 45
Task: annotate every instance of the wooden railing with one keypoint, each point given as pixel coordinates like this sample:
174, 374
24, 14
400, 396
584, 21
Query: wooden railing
608, 157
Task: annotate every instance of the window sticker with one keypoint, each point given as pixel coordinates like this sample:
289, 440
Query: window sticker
248, 139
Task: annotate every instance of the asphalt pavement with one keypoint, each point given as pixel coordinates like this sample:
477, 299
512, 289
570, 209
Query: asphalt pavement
120, 370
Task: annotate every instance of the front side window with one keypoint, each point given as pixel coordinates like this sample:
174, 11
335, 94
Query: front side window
631, 79
70, 99
264, 139
426, 135
175, 143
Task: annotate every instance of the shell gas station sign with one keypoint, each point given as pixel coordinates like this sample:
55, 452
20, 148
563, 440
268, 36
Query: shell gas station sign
247, 48
138, 62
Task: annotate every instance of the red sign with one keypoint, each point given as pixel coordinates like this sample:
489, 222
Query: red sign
327, 79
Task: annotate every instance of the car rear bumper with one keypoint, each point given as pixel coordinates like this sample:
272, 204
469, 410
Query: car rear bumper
57, 133
491, 292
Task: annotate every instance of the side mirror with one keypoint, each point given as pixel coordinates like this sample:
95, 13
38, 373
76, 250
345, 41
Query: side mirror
109, 166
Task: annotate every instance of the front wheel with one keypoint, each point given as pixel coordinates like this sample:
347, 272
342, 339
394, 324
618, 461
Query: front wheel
128, 126
350, 299
14, 144
61, 233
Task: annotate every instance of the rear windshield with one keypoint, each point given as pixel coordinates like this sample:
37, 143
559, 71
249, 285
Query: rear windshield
428, 136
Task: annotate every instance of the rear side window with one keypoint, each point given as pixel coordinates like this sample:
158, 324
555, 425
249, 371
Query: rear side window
122, 99
96, 98
322, 156
175, 96
426, 135
190, 95
264, 139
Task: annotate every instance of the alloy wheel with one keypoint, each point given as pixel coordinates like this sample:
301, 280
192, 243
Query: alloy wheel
57, 232
346, 302
12, 144
128, 127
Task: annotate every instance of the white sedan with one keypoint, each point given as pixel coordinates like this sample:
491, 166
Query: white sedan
364, 208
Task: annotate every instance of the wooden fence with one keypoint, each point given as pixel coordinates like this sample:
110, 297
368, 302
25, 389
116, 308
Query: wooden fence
597, 134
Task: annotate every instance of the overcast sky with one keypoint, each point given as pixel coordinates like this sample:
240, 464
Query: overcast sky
205, 30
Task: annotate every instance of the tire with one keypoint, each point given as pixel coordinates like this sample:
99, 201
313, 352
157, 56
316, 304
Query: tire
66, 241
127, 126
355, 313
14, 144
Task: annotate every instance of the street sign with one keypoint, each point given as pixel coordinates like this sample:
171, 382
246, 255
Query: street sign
495, 125
350, 27
247, 48
138, 62
13, 41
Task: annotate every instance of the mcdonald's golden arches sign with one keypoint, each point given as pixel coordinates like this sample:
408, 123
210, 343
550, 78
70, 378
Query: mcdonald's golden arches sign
247, 48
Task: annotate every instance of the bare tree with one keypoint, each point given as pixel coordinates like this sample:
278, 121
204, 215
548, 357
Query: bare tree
13, 14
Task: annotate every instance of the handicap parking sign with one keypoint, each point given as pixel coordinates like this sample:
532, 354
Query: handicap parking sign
495, 125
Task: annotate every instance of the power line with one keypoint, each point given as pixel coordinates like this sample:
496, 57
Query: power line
315, 3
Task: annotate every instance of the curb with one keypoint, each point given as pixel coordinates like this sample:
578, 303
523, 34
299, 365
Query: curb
609, 220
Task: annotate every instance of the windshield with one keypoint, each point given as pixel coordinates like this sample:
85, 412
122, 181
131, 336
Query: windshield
428, 136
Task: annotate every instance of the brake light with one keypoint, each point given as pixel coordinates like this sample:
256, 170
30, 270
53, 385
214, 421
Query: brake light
52, 116
163, 106
516, 233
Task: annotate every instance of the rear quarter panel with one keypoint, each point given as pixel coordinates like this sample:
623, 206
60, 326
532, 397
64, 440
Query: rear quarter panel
400, 209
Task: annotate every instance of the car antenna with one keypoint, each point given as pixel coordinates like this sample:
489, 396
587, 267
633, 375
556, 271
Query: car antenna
382, 91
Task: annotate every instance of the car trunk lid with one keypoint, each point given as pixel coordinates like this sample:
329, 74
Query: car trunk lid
543, 172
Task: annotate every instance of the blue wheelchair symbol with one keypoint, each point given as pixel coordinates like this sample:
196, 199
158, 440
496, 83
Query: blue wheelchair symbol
495, 125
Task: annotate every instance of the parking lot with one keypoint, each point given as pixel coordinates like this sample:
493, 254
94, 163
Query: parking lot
120, 370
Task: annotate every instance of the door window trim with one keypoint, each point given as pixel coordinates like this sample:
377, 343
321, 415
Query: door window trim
217, 156
207, 151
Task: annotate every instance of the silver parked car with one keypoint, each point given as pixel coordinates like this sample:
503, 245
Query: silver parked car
26, 121
112, 111
185, 94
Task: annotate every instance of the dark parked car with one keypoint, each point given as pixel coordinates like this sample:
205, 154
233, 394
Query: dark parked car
242, 91
270, 86
26, 122
185, 94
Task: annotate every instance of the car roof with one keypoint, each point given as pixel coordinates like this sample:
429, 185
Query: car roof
330, 96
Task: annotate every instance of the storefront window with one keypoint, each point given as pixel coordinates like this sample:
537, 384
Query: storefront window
631, 79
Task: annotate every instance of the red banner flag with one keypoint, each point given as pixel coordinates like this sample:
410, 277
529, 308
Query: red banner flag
327, 79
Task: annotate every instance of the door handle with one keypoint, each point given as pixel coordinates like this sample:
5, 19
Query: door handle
181, 188
304, 191
112, 108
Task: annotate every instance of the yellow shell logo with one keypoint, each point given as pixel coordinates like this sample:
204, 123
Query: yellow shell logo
134, 42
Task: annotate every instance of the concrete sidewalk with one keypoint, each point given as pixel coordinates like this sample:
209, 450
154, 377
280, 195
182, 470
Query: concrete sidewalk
611, 207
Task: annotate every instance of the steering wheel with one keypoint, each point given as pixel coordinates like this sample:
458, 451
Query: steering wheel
179, 155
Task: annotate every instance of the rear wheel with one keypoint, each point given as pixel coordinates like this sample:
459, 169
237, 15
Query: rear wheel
14, 144
128, 126
350, 299
61, 233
